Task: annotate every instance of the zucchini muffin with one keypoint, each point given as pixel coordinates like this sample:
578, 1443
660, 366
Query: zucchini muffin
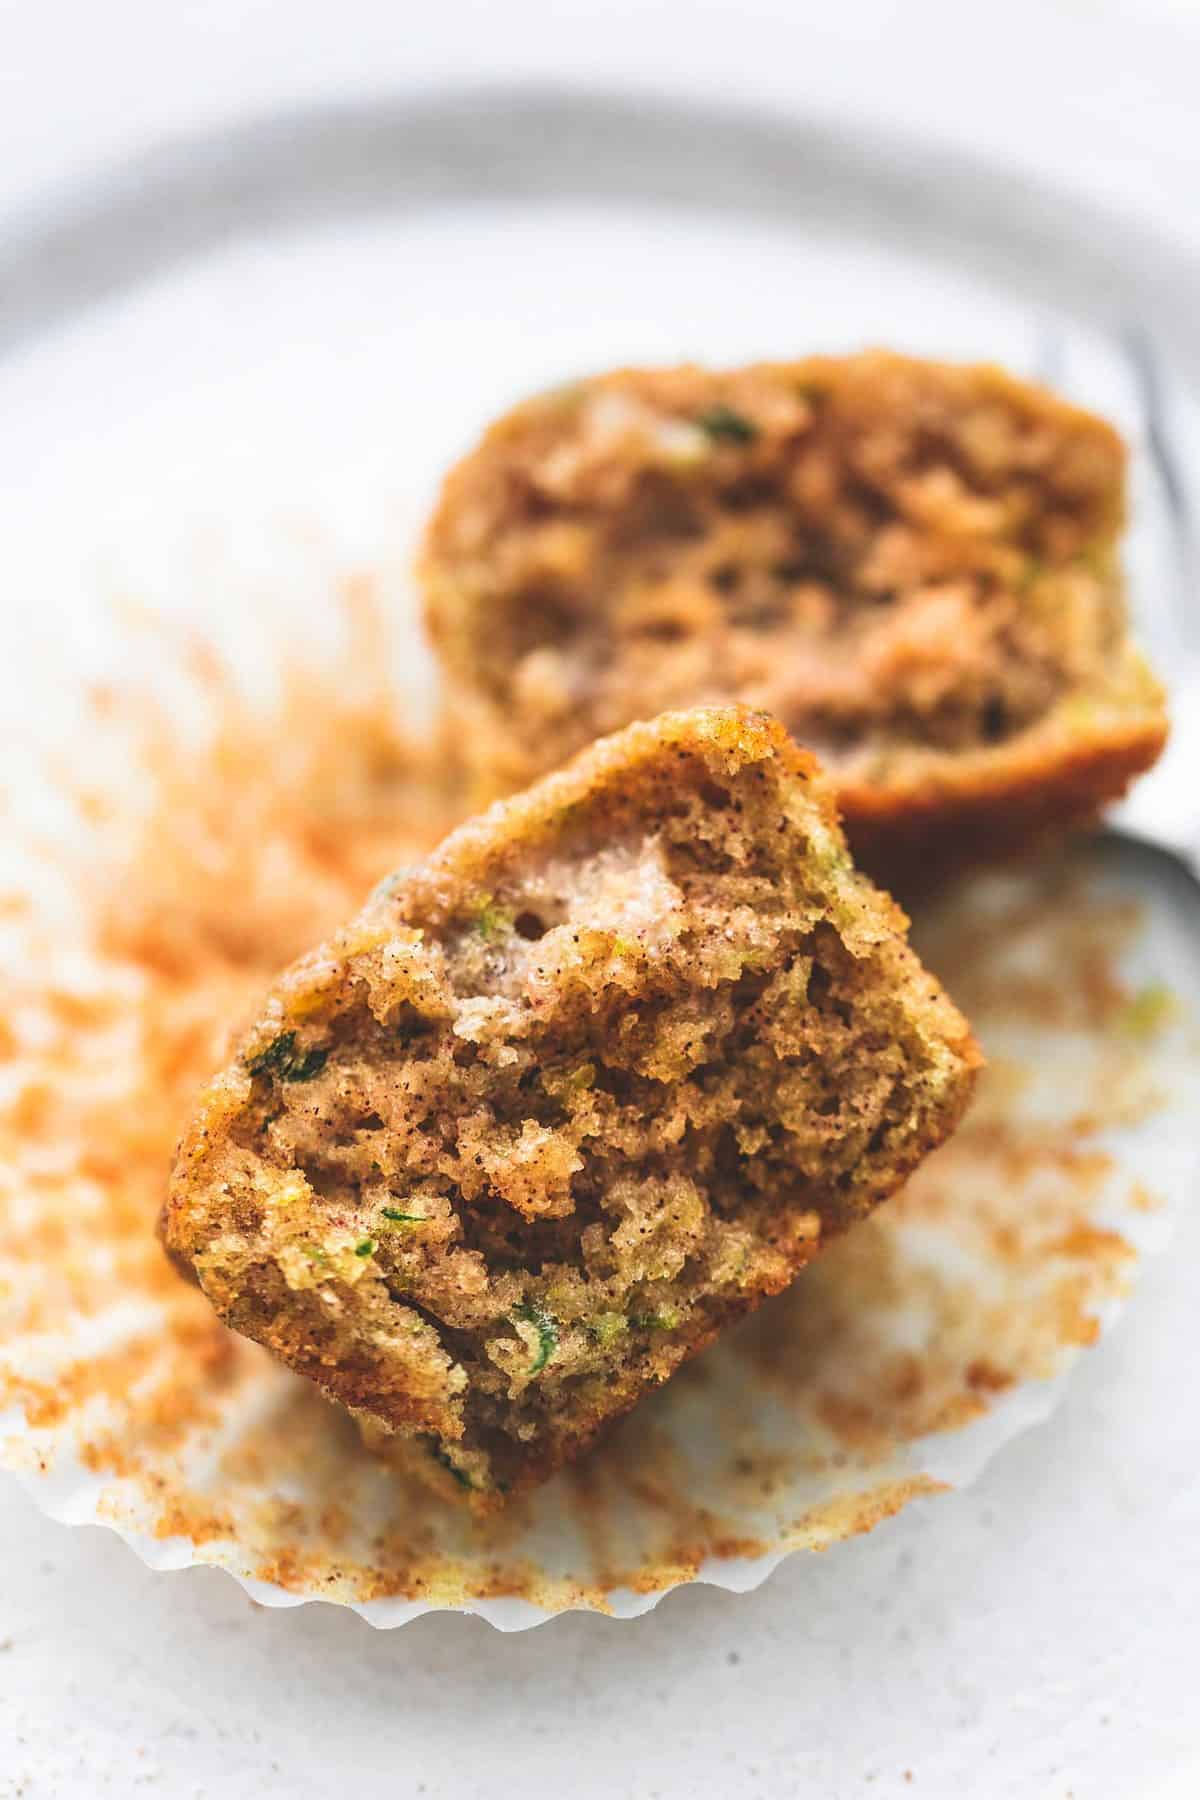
566, 1099
913, 565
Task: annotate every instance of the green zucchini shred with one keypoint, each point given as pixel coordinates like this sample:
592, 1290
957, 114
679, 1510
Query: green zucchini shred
284, 1058
492, 921
530, 1313
665, 1319
440, 1456
1148, 1011
725, 426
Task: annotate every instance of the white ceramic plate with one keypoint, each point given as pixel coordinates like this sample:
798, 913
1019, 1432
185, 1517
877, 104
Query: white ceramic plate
257, 358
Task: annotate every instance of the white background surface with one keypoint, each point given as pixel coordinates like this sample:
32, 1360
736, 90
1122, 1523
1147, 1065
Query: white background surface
1033, 1637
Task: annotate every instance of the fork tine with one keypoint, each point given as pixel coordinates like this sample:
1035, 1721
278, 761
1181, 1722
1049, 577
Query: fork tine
1169, 468
1050, 354
1160, 552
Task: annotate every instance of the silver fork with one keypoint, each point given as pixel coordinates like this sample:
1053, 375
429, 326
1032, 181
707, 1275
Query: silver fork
1163, 811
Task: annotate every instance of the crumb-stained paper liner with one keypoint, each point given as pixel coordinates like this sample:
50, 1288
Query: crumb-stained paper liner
896, 1365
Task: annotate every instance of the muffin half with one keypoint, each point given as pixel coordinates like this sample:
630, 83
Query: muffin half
568, 1098
913, 565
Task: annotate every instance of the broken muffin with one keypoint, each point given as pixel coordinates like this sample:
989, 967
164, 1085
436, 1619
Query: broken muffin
567, 1098
913, 565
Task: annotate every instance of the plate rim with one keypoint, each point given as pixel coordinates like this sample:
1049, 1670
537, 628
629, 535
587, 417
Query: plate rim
311, 164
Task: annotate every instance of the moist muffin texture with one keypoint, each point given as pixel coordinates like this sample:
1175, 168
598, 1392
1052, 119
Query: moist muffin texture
566, 1099
914, 565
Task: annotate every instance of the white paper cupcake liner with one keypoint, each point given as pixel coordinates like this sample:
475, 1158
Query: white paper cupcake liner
898, 1364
